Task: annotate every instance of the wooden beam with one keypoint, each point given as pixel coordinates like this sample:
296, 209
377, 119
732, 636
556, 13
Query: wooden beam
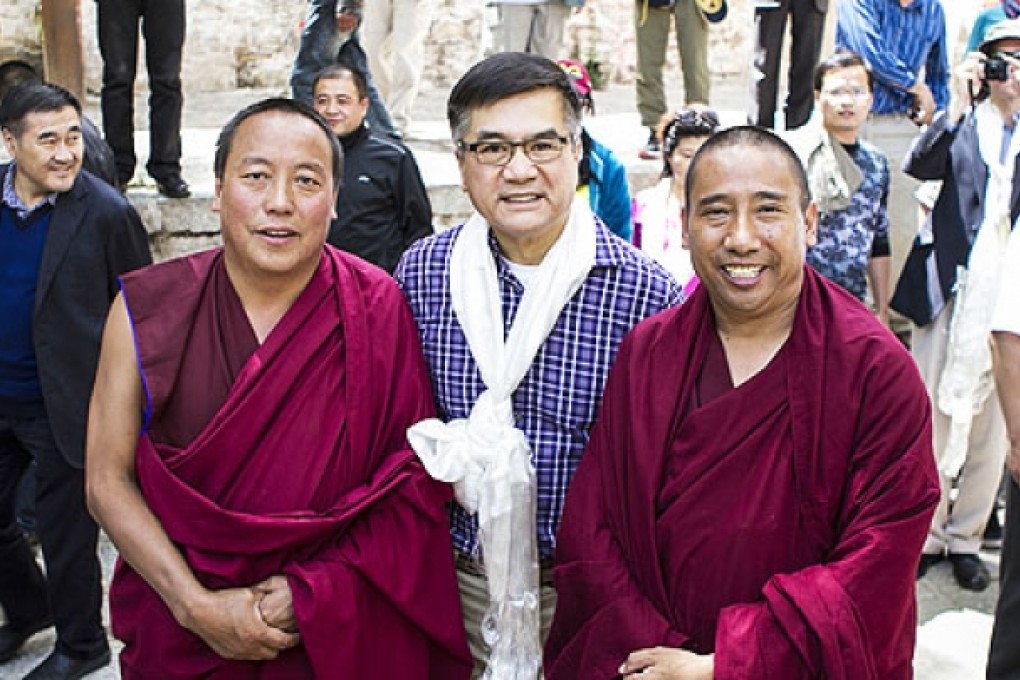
62, 45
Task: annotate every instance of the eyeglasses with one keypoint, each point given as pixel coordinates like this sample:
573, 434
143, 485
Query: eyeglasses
1008, 55
696, 118
538, 150
857, 93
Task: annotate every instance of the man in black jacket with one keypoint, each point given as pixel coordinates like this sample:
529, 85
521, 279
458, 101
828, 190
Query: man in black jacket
383, 207
65, 237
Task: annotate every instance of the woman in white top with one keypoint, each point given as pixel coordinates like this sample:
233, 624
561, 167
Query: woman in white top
656, 210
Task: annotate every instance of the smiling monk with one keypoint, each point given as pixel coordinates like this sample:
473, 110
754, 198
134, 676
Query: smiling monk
755, 494
272, 519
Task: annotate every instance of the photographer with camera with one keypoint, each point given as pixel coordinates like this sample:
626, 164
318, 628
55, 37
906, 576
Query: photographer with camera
949, 287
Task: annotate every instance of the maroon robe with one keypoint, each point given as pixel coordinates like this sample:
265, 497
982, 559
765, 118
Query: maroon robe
303, 471
777, 525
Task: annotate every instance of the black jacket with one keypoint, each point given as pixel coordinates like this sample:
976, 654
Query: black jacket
383, 207
953, 157
94, 237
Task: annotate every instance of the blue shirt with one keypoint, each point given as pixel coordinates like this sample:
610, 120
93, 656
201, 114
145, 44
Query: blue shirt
556, 402
897, 42
845, 237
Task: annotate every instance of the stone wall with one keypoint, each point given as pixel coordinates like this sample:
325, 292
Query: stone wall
249, 43
20, 32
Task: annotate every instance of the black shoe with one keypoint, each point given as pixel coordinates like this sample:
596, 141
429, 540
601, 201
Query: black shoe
970, 572
173, 187
652, 150
59, 666
928, 560
11, 639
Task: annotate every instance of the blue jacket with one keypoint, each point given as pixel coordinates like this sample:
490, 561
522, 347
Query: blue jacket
608, 191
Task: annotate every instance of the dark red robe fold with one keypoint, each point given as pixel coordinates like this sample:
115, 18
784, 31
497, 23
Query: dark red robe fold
280, 481
778, 525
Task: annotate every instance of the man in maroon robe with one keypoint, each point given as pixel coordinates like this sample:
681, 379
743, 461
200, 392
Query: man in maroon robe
756, 492
246, 445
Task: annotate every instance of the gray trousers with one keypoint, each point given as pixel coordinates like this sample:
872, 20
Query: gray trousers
652, 33
537, 29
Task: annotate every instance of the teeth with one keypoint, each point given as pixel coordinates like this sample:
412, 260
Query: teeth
520, 199
742, 271
275, 233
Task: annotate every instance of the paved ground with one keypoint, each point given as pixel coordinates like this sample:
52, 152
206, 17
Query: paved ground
953, 639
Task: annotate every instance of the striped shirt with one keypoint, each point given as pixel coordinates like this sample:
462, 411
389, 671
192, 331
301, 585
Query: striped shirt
897, 42
556, 402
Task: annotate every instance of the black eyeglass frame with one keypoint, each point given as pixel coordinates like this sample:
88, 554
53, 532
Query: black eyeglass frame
522, 144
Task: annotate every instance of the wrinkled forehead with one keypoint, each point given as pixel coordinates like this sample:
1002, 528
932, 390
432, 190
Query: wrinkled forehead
1004, 45
275, 134
60, 121
845, 75
744, 169
520, 115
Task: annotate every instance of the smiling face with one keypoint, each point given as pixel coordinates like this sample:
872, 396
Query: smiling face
337, 100
47, 153
748, 233
526, 204
844, 101
276, 197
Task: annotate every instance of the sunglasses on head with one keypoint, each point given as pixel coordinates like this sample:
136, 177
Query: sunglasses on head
695, 118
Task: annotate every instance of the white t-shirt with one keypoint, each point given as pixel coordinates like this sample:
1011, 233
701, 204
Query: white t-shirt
524, 272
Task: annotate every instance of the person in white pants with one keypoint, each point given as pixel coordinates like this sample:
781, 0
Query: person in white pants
393, 33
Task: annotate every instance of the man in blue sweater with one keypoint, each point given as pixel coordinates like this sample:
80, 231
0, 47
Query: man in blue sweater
65, 237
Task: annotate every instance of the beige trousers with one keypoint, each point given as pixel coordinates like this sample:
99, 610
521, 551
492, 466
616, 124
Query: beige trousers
393, 34
474, 600
959, 530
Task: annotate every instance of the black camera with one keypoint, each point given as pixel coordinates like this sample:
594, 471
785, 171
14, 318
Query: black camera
996, 69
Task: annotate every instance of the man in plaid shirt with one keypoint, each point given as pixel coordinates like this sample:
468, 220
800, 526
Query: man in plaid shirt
567, 291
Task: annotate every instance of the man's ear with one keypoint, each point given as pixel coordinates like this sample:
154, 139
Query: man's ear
9, 142
461, 157
217, 190
811, 224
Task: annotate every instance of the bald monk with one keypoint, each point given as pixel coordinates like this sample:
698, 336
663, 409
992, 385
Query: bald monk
246, 444
757, 489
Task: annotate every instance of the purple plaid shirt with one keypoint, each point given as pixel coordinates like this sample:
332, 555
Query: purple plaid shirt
556, 402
